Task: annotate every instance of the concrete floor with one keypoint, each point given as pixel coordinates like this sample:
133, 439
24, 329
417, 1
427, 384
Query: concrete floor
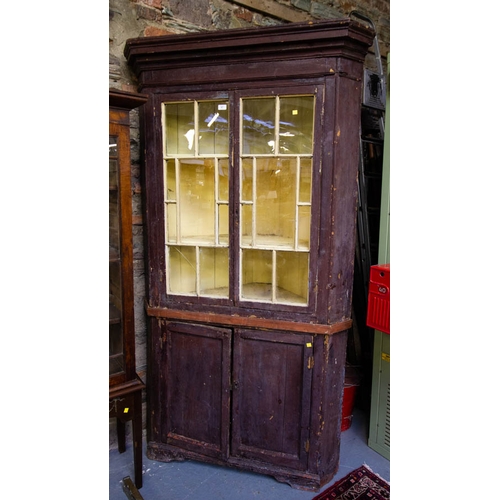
190, 480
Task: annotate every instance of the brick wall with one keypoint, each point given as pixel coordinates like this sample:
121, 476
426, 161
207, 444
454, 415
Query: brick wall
138, 18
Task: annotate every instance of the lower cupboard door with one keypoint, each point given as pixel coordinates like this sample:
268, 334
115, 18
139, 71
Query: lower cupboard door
197, 371
271, 397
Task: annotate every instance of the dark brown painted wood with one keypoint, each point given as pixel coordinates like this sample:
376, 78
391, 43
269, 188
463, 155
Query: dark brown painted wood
196, 415
276, 406
251, 321
302, 49
271, 420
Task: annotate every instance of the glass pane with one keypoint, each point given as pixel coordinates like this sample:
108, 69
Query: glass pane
304, 227
170, 189
292, 277
257, 274
246, 225
246, 179
113, 162
113, 174
214, 272
223, 180
113, 145
305, 180
258, 126
116, 360
275, 204
171, 214
114, 225
223, 224
213, 128
179, 134
197, 200
182, 269
296, 125
115, 295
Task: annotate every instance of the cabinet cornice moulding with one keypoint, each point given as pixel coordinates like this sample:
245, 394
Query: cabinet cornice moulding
316, 40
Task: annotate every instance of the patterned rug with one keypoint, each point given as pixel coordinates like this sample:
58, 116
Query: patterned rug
360, 484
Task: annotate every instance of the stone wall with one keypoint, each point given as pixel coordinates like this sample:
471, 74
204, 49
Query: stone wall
137, 18
142, 18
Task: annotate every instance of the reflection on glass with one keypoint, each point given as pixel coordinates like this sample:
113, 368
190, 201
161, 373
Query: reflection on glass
214, 271
113, 145
258, 126
197, 200
296, 125
196, 150
179, 133
292, 277
257, 274
182, 269
275, 198
213, 128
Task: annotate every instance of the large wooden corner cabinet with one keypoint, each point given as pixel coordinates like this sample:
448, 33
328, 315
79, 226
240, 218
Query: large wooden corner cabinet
251, 141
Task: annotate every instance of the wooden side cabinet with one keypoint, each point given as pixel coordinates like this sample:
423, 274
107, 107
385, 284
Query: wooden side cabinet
251, 154
125, 387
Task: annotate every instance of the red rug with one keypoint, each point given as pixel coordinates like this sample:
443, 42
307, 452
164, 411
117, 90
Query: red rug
360, 484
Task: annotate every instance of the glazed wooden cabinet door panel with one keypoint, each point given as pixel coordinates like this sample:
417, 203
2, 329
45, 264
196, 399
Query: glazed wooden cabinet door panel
197, 388
121, 295
271, 421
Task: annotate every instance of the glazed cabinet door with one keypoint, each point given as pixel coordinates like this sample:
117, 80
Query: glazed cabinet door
196, 382
121, 311
271, 397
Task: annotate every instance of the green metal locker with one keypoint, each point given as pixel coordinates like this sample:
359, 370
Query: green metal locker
380, 416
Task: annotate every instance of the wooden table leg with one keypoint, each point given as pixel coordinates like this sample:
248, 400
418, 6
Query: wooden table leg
120, 432
137, 437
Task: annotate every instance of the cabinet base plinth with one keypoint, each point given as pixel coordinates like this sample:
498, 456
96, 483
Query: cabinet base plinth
296, 479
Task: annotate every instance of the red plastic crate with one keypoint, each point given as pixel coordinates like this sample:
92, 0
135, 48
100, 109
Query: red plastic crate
378, 315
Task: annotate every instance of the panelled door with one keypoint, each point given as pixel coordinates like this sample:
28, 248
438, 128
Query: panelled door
197, 372
270, 422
